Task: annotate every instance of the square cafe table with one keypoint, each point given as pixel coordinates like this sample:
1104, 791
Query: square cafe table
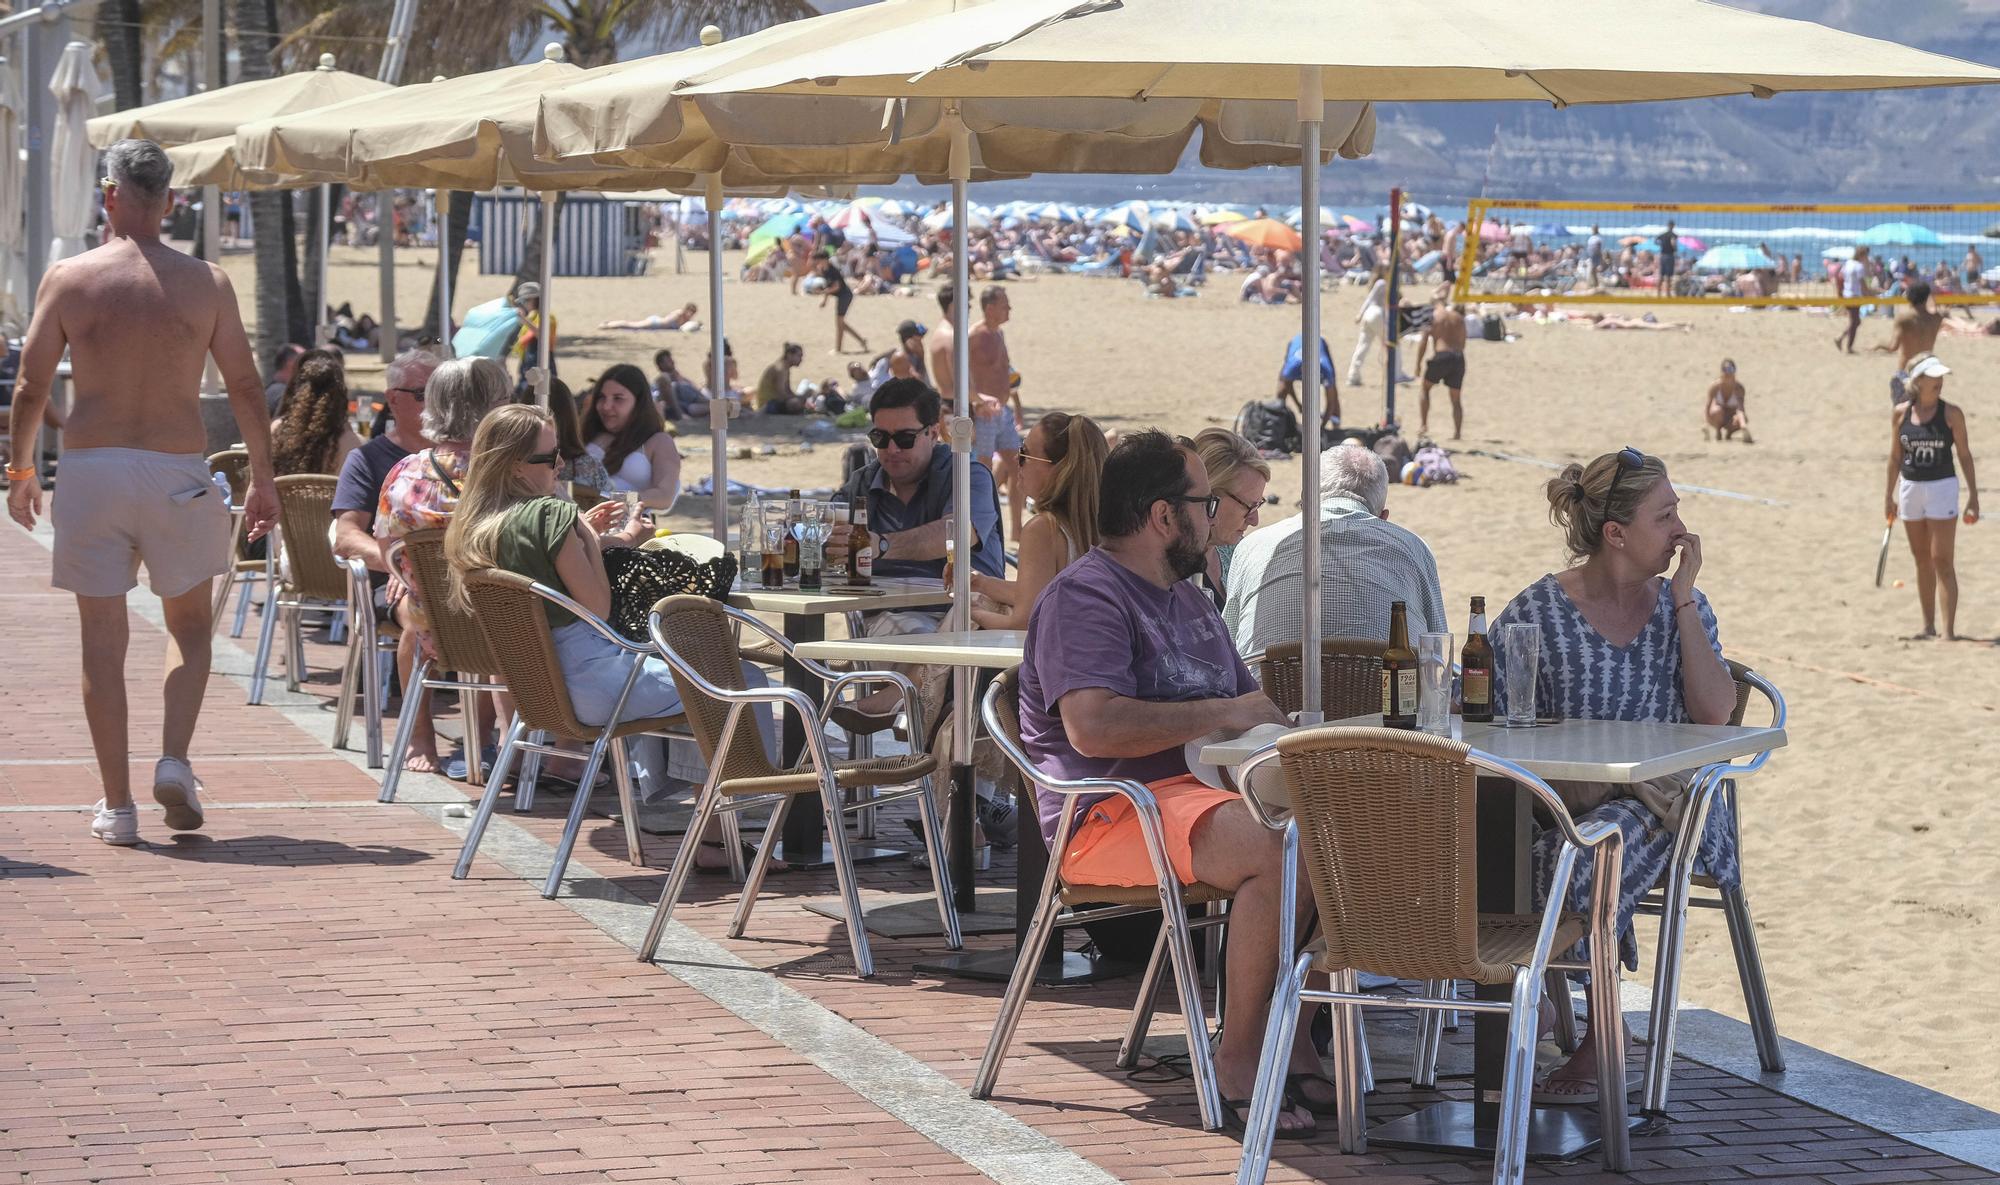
1574, 750
805, 615
986, 651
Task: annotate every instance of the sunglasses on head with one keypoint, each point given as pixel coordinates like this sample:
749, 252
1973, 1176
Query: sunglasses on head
549, 459
905, 438
1628, 458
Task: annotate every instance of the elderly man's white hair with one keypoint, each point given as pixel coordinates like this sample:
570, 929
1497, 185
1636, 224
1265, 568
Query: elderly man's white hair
1355, 472
140, 169
412, 368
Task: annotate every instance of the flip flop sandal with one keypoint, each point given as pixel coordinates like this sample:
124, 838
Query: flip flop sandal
1576, 1093
1297, 1096
1234, 1110
777, 868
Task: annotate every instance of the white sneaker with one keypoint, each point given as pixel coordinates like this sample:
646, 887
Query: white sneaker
119, 826
176, 788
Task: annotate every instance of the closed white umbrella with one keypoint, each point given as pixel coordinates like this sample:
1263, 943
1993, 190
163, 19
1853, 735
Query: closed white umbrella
72, 161
13, 180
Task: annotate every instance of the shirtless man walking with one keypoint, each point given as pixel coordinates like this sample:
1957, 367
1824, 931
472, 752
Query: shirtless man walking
1447, 366
139, 320
1916, 335
994, 426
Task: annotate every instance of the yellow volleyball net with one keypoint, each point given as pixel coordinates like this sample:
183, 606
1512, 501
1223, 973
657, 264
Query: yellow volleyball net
1574, 252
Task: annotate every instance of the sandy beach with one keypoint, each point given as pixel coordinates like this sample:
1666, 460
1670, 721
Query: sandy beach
1870, 842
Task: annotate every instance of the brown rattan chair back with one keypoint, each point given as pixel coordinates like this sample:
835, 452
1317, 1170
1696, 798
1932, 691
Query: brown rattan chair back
1350, 678
234, 465
517, 633
1385, 823
460, 643
305, 515
702, 635
1008, 706
1736, 671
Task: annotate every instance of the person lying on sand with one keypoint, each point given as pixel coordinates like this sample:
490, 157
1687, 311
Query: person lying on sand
683, 320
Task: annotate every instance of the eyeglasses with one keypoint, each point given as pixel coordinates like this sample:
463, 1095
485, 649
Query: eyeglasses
1250, 509
905, 438
416, 393
549, 459
1211, 503
107, 184
1628, 458
1025, 455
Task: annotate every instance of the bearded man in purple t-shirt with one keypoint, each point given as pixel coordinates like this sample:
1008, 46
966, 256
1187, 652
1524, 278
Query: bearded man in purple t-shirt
1126, 662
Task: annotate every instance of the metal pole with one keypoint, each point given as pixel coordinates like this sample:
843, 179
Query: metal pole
211, 196
548, 326
441, 207
322, 322
36, 135
1395, 303
1312, 113
718, 367
961, 505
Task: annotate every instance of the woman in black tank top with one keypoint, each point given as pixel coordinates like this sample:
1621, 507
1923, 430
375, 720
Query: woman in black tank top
1926, 449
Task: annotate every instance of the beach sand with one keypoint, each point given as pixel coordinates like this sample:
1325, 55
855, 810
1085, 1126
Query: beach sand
1870, 842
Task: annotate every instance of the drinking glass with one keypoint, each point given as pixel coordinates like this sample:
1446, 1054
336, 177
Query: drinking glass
1434, 653
1523, 644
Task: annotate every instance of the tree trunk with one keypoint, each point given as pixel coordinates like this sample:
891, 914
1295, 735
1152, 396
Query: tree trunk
298, 318
531, 252
458, 220
317, 238
125, 48
255, 40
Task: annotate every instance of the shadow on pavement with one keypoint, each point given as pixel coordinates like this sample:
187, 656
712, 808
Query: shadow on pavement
280, 850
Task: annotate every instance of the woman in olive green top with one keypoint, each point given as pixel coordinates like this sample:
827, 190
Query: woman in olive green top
511, 516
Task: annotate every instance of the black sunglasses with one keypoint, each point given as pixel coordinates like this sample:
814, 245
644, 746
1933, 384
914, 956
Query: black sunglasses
1211, 503
416, 393
549, 459
1628, 458
905, 438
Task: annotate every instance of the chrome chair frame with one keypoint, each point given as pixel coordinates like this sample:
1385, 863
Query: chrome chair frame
237, 573
519, 743
710, 802
421, 681
361, 668
1176, 930
1511, 1146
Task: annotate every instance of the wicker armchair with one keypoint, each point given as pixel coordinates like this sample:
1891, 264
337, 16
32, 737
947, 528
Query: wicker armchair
1000, 712
1384, 821
510, 610
461, 649
1350, 676
697, 637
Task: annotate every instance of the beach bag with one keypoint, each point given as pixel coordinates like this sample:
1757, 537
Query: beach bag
1271, 427
486, 330
639, 578
1434, 466
1492, 328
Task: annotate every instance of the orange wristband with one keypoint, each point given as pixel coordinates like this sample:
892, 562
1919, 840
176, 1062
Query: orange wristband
25, 474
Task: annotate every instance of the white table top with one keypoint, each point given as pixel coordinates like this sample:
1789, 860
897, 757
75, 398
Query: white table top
893, 594
996, 649
1582, 750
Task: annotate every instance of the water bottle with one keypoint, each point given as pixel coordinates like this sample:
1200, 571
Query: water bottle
750, 545
222, 487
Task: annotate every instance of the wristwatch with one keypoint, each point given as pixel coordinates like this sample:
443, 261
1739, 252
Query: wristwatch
881, 546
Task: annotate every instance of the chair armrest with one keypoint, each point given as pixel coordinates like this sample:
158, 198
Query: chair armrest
1240, 779
1067, 787
819, 670
906, 691
593, 620
1583, 838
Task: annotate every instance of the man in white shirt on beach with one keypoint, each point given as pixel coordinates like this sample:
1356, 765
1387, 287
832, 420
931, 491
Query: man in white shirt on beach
1853, 286
1368, 564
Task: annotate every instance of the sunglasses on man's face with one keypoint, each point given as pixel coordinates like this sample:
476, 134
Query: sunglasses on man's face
904, 438
549, 459
416, 393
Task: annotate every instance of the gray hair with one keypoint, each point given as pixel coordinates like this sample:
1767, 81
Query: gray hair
402, 372
1349, 470
460, 394
139, 168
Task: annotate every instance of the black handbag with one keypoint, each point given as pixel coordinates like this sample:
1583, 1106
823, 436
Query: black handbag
640, 578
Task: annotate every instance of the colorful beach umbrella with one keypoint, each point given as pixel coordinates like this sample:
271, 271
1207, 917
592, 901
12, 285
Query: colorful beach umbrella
1733, 257
1359, 226
1223, 217
1264, 232
1899, 234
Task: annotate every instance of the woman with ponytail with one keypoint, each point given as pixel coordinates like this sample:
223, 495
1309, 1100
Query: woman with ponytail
1625, 635
1060, 465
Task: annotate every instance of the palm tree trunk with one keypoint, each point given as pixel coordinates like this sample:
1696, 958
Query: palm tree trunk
277, 263
531, 253
125, 48
458, 221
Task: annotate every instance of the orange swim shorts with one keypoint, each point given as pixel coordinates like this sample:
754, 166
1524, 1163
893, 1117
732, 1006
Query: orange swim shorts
1107, 847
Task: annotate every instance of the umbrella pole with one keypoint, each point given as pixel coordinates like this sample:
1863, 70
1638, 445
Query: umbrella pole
548, 326
441, 213
323, 324
718, 377
963, 790
1312, 113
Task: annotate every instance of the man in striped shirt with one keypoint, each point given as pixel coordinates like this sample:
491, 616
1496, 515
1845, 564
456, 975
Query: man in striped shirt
1367, 563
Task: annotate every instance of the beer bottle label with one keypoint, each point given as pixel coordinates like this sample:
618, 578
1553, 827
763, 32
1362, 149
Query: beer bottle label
1388, 692
1406, 692
1478, 686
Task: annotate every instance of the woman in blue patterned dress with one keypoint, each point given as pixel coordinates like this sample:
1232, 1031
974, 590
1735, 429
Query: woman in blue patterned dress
1621, 639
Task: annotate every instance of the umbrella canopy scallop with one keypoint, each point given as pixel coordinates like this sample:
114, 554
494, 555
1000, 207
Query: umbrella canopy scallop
209, 114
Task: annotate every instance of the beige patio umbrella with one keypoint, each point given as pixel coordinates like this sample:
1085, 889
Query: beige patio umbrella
13, 182
213, 162
1584, 51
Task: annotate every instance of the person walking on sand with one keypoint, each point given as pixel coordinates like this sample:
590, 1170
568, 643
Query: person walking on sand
1853, 286
140, 320
995, 430
1923, 488
1916, 335
1447, 366
1724, 409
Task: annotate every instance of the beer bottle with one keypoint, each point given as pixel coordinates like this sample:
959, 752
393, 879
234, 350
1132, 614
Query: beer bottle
1475, 664
791, 558
1399, 673
860, 548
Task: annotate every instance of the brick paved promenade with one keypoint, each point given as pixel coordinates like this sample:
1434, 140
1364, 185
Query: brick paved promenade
299, 993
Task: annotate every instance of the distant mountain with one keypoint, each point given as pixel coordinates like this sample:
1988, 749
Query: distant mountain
1935, 145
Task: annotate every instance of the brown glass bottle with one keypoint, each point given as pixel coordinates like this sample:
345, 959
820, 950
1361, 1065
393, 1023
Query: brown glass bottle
1399, 673
1475, 664
860, 547
791, 557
